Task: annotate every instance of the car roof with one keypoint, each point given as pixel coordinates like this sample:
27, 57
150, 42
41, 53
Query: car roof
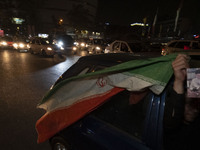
103, 60
111, 58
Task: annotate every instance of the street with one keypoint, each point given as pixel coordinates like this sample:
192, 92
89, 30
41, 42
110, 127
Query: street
25, 78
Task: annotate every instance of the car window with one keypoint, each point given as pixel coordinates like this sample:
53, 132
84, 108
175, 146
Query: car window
195, 45
116, 46
124, 47
125, 114
172, 44
183, 45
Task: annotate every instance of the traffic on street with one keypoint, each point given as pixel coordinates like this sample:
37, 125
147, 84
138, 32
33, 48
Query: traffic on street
99, 75
25, 78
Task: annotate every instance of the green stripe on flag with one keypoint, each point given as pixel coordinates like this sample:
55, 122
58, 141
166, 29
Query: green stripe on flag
155, 70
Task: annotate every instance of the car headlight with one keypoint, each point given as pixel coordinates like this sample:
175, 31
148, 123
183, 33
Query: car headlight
107, 50
98, 48
15, 45
4, 43
74, 48
21, 45
60, 44
49, 48
83, 44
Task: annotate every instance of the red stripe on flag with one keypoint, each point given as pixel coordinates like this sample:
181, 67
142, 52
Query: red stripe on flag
53, 122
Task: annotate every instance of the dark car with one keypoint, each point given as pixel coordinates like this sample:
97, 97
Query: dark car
120, 123
64, 43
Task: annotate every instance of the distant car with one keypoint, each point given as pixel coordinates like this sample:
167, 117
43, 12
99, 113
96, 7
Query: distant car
80, 44
42, 46
6, 42
96, 46
190, 47
64, 43
21, 45
115, 125
119, 46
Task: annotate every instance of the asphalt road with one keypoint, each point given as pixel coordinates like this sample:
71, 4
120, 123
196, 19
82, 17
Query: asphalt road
24, 80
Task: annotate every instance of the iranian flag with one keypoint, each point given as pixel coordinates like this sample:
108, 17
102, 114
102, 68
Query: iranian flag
75, 97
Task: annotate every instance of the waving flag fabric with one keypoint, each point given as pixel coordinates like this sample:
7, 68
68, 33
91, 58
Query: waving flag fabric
75, 97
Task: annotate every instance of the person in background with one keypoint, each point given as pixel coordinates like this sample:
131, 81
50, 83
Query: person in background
181, 117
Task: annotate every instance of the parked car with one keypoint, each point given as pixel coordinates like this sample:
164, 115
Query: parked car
21, 44
115, 125
96, 46
42, 46
190, 47
6, 42
119, 46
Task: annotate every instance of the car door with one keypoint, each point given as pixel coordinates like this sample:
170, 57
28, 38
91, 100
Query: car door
124, 123
182, 46
195, 48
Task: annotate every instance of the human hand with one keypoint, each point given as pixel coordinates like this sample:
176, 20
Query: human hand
179, 65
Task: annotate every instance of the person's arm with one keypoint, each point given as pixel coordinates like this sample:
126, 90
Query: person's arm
174, 104
174, 109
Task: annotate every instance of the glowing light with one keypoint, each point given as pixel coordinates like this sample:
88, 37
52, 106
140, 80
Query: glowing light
21, 45
139, 24
49, 48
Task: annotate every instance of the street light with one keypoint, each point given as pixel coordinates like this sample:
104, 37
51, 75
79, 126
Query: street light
60, 22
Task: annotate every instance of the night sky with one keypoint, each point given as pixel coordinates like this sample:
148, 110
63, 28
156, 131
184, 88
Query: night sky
129, 11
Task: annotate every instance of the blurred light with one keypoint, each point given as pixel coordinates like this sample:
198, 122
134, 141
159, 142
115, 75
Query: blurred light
83, 44
76, 43
17, 20
4, 43
21, 45
60, 22
60, 44
107, 23
196, 36
74, 48
6, 56
49, 48
138, 24
43, 35
15, 45
98, 48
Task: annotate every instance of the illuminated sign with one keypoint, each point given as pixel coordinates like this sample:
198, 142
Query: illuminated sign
139, 24
18, 20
